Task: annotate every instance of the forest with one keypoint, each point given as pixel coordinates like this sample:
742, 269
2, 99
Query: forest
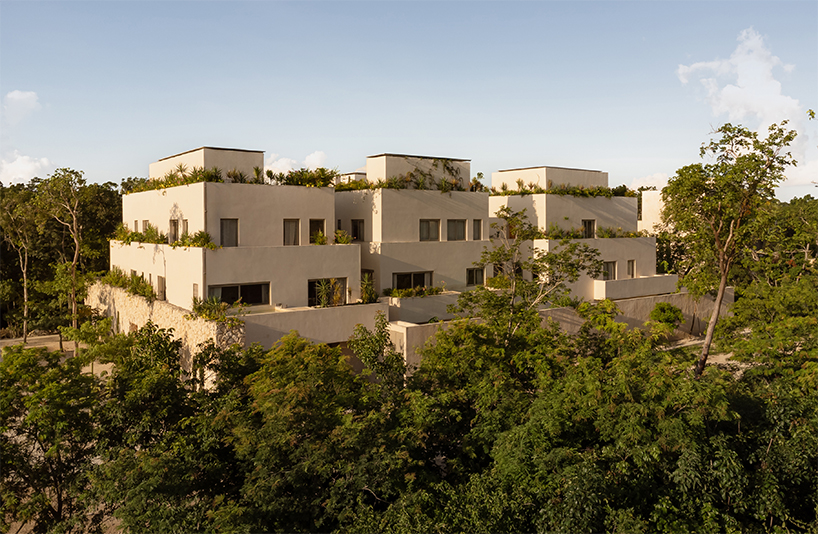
508, 425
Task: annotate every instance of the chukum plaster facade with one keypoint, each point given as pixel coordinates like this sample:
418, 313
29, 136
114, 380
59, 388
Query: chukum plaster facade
402, 237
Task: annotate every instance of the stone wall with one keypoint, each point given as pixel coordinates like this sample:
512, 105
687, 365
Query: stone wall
129, 313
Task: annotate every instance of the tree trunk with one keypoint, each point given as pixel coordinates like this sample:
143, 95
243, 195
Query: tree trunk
711, 326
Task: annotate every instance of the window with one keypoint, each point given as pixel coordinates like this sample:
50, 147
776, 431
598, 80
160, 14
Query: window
429, 230
145, 225
291, 231
160, 288
136, 226
474, 277
455, 230
357, 229
184, 227
247, 293
477, 230
338, 227
316, 227
195, 291
327, 292
230, 232
588, 228
609, 270
410, 280
631, 268
173, 231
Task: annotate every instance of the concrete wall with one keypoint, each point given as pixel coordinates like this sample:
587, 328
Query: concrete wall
635, 287
401, 211
651, 211
640, 249
568, 212
635, 312
364, 205
409, 340
447, 260
261, 210
547, 177
419, 310
181, 268
162, 205
225, 159
384, 166
287, 269
130, 313
319, 325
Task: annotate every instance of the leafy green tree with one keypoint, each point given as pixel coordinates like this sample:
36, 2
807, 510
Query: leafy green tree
509, 301
19, 225
378, 354
47, 440
714, 205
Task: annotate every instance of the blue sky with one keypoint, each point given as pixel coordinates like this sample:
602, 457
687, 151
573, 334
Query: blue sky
632, 88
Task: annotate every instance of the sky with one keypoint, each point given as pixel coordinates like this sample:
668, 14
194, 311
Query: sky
632, 88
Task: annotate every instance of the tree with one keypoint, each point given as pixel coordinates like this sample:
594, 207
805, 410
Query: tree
713, 207
19, 224
59, 195
509, 301
47, 440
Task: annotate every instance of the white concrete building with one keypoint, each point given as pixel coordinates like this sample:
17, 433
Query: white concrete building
265, 256
629, 262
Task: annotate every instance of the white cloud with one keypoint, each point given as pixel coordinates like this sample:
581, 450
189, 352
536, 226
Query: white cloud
315, 160
21, 169
744, 86
659, 180
279, 164
804, 174
18, 104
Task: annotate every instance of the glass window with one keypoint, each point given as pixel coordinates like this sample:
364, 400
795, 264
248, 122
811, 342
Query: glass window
316, 227
609, 270
455, 230
291, 231
477, 230
357, 229
411, 280
327, 292
184, 227
588, 228
474, 277
145, 225
631, 268
230, 232
429, 230
246, 293
173, 231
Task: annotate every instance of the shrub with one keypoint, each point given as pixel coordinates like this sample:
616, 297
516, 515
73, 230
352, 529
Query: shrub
133, 284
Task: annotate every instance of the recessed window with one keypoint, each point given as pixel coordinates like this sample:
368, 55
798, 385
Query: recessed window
145, 225
357, 229
173, 231
609, 270
184, 227
160, 288
430, 230
316, 227
477, 230
136, 226
411, 280
291, 231
327, 292
474, 277
631, 268
230, 232
252, 294
588, 228
455, 230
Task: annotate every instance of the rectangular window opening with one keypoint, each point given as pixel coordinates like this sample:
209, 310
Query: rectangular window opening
588, 228
411, 280
173, 231
631, 268
230, 232
430, 230
251, 294
455, 230
316, 227
477, 230
609, 270
327, 292
474, 277
291, 229
357, 229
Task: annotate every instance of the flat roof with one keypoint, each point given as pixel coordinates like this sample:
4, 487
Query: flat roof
548, 167
213, 148
413, 156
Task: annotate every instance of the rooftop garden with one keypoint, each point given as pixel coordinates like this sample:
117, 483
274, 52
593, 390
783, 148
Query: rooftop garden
415, 179
570, 190
154, 236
